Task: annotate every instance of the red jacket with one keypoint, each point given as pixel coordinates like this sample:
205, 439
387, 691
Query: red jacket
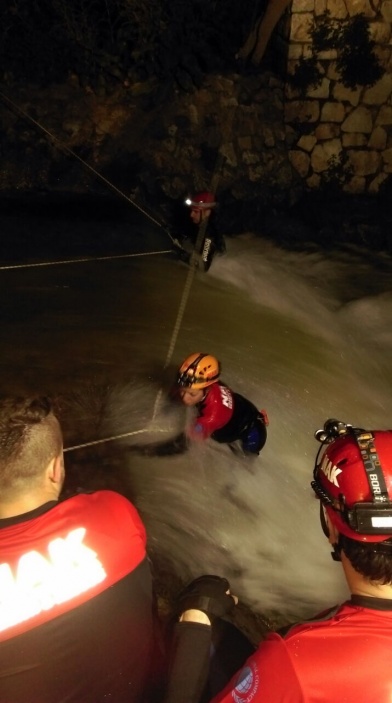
222, 414
215, 411
75, 602
344, 657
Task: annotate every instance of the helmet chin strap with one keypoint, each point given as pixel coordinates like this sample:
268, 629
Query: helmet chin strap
337, 548
336, 551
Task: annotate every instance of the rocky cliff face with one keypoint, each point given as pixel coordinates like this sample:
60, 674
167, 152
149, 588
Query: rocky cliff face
228, 136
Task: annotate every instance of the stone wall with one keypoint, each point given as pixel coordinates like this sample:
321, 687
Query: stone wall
248, 135
228, 135
332, 123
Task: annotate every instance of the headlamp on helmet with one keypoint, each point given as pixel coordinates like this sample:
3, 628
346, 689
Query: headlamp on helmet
201, 201
198, 371
353, 479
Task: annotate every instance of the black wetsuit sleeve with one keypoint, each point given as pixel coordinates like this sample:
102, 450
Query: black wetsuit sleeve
189, 662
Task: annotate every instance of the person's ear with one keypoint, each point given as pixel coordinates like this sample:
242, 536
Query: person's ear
56, 469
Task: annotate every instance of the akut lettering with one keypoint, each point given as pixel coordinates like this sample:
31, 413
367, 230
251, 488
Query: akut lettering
330, 470
39, 582
227, 398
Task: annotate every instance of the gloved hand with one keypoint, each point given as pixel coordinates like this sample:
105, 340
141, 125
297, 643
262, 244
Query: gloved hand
208, 594
176, 445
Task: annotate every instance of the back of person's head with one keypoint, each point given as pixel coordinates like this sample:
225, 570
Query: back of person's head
353, 479
30, 437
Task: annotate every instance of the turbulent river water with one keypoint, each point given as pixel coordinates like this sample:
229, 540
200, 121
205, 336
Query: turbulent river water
306, 335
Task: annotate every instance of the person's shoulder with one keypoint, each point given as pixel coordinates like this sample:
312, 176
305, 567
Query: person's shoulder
103, 502
214, 393
324, 631
320, 621
220, 393
268, 674
225, 391
100, 497
112, 497
107, 512
220, 386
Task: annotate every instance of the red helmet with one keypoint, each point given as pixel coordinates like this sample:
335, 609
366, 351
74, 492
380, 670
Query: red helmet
202, 201
353, 479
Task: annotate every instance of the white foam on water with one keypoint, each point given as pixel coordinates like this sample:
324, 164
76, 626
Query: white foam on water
300, 335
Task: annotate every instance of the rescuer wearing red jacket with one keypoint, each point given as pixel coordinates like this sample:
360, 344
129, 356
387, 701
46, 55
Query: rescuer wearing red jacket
76, 603
344, 653
207, 238
223, 415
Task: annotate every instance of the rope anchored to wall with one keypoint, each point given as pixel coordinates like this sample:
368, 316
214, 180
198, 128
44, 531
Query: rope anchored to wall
60, 145
193, 262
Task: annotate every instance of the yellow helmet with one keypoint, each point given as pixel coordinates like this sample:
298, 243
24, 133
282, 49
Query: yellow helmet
198, 371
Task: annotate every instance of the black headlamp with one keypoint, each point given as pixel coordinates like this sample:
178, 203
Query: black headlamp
332, 430
370, 518
183, 380
187, 377
363, 518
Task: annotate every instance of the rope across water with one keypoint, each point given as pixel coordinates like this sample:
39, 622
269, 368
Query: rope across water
195, 257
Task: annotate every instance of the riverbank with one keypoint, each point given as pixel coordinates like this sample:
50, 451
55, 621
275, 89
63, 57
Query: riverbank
327, 220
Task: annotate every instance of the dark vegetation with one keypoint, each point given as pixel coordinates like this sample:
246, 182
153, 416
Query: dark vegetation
107, 42
356, 61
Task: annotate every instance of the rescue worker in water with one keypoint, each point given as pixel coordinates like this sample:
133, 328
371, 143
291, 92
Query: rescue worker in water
223, 415
208, 239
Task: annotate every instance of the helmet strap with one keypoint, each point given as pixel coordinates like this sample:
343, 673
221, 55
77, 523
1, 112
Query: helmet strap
337, 551
336, 548
193, 365
185, 377
324, 524
372, 464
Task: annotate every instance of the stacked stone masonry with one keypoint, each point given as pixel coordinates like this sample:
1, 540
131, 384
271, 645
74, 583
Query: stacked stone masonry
350, 126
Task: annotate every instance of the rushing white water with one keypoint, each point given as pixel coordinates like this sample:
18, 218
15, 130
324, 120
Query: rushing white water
307, 336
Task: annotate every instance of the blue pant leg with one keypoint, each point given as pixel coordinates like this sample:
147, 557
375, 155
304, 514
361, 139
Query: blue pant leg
255, 438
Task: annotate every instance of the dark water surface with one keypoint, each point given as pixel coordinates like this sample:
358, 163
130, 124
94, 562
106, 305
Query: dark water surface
307, 335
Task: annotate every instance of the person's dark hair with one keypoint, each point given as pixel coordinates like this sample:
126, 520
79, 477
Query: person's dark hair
30, 437
373, 560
